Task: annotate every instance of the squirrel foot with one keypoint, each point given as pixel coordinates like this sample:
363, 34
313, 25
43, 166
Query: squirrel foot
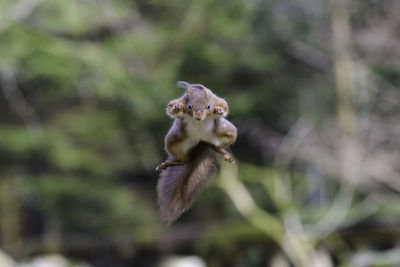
229, 158
165, 164
161, 167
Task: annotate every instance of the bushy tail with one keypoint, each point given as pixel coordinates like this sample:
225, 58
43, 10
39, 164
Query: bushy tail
179, 185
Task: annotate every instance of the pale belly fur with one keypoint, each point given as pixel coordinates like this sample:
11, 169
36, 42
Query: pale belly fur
199, 131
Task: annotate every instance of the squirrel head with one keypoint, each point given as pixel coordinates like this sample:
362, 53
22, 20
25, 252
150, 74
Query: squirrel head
198, 104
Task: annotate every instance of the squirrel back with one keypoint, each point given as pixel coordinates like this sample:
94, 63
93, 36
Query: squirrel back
179, 185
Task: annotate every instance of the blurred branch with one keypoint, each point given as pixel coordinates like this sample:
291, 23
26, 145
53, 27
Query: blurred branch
366, 78
344, 70
348, 150
290, 235
101, 32
23, 9
19, 12
6, 260
370, 258
20, 105
111, 28
245, 204
310, 55
289, 146
10, 219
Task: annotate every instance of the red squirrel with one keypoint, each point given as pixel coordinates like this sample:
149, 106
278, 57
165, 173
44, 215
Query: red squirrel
198, 130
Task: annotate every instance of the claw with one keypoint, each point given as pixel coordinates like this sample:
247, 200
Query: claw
219, 110
229, 158
175, 108
161, 167
178, 107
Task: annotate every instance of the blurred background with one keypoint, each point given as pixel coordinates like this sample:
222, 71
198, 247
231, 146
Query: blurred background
313, 88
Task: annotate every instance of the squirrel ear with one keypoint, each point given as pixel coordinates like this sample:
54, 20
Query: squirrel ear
187, 86
198, 86
183, 84
201, 87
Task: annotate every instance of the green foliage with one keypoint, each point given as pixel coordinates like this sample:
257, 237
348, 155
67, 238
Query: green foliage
15, 141
93, 206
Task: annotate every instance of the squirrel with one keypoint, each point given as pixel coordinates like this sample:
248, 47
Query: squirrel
199, 129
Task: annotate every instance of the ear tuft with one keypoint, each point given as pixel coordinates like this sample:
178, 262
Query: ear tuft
198, 86
183, 84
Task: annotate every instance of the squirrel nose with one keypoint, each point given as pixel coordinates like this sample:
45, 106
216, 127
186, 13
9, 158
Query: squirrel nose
197, 115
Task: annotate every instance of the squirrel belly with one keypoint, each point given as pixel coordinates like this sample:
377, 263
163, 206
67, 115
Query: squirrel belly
179, 185
201, 130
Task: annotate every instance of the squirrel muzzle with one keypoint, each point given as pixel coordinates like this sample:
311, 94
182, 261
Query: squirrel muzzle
198, 115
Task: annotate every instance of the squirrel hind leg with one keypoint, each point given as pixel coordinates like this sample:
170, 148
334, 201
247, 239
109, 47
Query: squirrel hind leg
220, 149
168, 163
227, 156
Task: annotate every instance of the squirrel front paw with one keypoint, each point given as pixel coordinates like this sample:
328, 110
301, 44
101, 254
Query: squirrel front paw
219, 110
176, 107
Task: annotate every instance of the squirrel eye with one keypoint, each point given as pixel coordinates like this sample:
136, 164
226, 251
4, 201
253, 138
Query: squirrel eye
208, 107
189, 106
